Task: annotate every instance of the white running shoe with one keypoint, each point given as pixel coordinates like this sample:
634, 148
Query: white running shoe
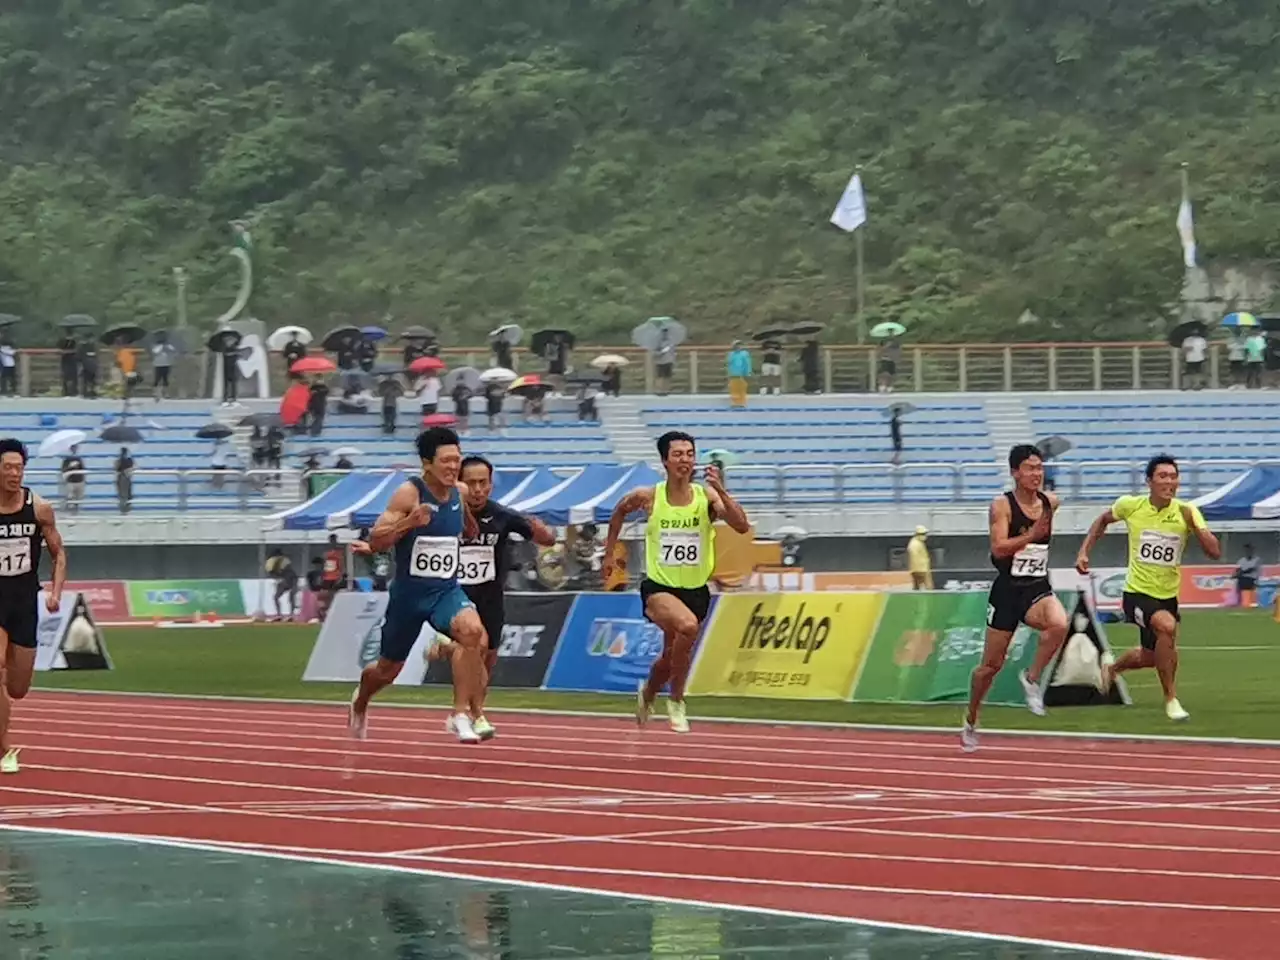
1030, 690
1173, 710
675, 713
464, 729
642, 709
968, 737
357, 723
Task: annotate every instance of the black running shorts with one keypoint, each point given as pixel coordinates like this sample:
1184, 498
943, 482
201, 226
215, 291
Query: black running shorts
1140, 608
19, 617
697, 599
1010, 599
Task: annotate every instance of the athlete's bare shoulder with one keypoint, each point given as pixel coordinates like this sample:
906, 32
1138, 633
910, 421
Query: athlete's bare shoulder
404, 499
1054, 500
999, 509
641, 498
43, 508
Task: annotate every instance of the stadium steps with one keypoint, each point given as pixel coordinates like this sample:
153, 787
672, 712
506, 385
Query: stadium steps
624, 427
1009, 423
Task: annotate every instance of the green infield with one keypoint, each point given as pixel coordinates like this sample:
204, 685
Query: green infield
1230, 664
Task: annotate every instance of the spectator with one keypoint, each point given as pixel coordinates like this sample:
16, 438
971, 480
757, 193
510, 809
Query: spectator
230, 374
1194, 349
344, 464
1235, 359
367, 354
162, 355
332, 575
87, 355
612, 380
1255, 349
771, 366
389, 391
918, 561
127, 364
809, 364
587, 410
895, 435
124, 479
429, 394
494, 394
316, 584
69, 365
281, 570
501, 353
8, 366
317, 404
1248, 572
890, 354
664, 359
220, 462
293, 351
462, 405
73, 476
739, 363
413, 350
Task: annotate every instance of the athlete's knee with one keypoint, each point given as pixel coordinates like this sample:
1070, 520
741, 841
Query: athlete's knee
1164, 625
684, 628
385, 670
467, 630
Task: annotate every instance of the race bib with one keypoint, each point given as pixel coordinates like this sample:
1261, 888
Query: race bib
1160, 549
435, 558
680, 548
1031, 561
15, 557
476, 565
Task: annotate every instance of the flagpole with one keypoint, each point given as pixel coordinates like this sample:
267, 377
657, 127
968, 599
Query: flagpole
862, 326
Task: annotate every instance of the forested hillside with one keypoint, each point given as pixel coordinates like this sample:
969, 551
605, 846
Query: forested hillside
592, 162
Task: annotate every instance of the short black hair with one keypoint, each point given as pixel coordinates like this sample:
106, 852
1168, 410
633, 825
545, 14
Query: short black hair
433, 438
1021, 453
475, 460
673, 436
13, 445
1158, 460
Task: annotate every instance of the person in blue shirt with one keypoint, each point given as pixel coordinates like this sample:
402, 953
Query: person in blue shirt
423, 524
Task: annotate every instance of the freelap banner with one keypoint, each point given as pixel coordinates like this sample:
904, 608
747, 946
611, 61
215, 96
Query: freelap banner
69, 639
351, 638
797, 646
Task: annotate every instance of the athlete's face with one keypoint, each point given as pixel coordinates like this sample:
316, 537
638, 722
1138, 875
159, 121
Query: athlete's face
11, 470
1030, 474
681, 459
1164, 482
444, 466
479, 485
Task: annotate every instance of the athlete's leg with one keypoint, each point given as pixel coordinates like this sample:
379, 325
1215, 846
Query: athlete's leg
456, 616
5, 708
1048, 616
1165, 628
679, 634
994, 652
400, 628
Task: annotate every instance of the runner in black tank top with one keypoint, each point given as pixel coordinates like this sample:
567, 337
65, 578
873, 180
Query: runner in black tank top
26, 523
1021, 527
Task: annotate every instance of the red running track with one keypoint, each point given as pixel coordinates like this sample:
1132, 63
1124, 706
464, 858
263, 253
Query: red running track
1160, 848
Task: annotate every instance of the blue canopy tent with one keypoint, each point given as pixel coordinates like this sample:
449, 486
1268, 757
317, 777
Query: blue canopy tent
1254, 495
366, 514
601, 509
314, 514
554, 506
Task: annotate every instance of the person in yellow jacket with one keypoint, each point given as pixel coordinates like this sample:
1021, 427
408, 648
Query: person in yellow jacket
680, 558
918, 561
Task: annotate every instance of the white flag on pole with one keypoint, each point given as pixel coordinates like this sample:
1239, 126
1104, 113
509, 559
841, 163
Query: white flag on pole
1186, 230
851, 212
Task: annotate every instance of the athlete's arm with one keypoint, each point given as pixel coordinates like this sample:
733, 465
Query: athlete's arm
405, 512
1003, 545
53, 542
1095, 534
640, 498
470, 526
539, 532
724, 506
1208, 542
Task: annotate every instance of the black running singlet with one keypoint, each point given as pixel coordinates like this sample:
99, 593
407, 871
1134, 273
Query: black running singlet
1032, 561
20, 543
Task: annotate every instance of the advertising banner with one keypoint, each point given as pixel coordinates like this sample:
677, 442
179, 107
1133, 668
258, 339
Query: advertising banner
169, 599
69, 639
351, 637
1203, 585
862, 580
786, 646
534, 622
606, 646
927, 644
108, 599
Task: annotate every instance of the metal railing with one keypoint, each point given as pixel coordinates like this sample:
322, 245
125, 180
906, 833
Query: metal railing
779, 485
934, 367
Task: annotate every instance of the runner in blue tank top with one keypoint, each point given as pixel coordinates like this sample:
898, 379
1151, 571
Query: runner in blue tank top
424, 521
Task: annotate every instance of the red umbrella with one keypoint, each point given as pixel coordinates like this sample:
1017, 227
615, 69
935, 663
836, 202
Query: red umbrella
439, 420
427, 365
294, 403
313, 365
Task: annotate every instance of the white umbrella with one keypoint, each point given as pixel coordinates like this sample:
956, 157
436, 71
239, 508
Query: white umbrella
498, 375
59, 443
348, 452
609, 360
279, 338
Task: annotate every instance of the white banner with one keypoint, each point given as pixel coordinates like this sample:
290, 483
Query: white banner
350, 639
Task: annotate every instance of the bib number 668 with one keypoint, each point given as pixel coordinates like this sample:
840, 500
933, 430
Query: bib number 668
1159, 553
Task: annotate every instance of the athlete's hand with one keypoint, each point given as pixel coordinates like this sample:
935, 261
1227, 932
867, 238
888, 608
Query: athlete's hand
1082, 563
420, 515
52, 601
607, 565
1042, 527
713, 479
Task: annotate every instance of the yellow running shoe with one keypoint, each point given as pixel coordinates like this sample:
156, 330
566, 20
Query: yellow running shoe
675, 714
484, 728
9, 764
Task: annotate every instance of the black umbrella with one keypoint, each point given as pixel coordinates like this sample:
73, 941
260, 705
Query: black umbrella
1051, 447
1268, 322
121, 433
76, 320
264, 420
509, 333
214, 431
544, 339
1184, 330
769, 333
806, 329
8, 319
123, 335
224, 340
901, 408
585, 380
417, 333
342, 338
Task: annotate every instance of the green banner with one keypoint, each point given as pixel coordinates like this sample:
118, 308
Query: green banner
927, 645
185, 598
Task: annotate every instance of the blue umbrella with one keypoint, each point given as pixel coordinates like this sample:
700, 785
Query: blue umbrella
1241, 319
373, 333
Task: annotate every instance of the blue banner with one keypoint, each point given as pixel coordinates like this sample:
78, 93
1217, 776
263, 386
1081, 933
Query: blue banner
607, 646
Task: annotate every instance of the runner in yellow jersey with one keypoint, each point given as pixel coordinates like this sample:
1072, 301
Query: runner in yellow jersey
1159, 526
680, 561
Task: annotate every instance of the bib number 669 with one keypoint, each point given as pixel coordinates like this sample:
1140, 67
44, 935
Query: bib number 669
434, 564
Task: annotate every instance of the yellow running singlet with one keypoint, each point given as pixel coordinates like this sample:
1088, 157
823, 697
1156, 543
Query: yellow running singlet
1156, 541
679, 543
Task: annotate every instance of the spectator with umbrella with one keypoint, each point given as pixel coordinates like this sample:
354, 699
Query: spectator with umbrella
810, 373
554, 346
889, 354
1190, 339
124, 479
610, 366
495, 381
501, 341
462, 385
226, 345
291, 343
367, 348
428, 370
163, 353
87, 357
770, 340
121, 339
416, 340
317, 406
661, 336
73, 478
69, 351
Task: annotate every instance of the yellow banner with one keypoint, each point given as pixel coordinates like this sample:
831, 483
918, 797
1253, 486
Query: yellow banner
791, 646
